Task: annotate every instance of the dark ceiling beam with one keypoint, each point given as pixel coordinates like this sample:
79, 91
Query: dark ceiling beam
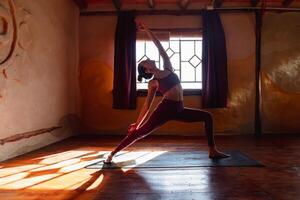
287, 2
189, 12
217, 3
183, 4
117, 4
151, 4
254, 2
82, 4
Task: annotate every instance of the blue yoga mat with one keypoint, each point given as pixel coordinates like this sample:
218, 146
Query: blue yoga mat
183, 160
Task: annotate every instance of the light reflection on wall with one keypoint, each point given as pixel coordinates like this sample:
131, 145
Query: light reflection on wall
287, 74
240, 96
279, 108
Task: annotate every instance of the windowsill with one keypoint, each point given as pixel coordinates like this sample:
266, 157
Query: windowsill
186, 92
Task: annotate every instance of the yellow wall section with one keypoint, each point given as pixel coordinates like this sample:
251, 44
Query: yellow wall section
96, 79
281, 72
277, 106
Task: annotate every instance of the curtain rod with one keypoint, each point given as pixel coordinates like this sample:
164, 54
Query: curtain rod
191, 12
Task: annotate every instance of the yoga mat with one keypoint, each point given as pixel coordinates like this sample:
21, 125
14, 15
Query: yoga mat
181, 160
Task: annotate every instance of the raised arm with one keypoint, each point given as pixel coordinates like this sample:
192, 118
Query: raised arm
162, 52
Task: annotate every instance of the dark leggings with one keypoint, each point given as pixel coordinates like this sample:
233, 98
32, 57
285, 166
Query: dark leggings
165, 111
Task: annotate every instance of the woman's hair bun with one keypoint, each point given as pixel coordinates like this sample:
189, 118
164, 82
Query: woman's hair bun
142, 71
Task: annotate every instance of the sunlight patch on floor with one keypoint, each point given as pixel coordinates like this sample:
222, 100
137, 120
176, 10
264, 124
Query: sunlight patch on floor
66, 170
136, 158
13, 178
56, 171
26, 182
17, 169
66, 180
54, 158
77, 166
58, 165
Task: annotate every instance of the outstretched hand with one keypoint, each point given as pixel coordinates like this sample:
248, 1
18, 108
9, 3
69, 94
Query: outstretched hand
132, 127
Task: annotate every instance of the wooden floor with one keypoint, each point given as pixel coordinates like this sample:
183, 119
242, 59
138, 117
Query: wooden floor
58, 171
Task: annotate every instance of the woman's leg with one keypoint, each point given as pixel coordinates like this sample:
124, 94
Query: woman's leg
196, 115
149, 126
159, 116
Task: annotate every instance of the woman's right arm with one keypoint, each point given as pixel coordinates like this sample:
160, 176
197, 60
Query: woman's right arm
161, 50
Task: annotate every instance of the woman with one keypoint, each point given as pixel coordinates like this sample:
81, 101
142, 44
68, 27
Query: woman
170, 108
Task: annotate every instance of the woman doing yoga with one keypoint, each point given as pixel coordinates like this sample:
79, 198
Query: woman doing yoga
170, 108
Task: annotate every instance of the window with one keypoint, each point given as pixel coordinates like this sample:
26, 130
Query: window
185, 54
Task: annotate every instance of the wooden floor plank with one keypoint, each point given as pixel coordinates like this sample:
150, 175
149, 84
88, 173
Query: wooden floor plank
58, 171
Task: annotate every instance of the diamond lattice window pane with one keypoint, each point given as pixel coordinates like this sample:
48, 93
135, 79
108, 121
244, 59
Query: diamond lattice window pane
175, 61
195, 61
185, 55
143, 58
199, 72
152, 51
170, 52
187, 72
174, 45
187, 50
140, 48
198, 49
165, 44
161, 63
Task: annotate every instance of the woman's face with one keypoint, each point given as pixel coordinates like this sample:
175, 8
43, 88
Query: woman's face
149, 66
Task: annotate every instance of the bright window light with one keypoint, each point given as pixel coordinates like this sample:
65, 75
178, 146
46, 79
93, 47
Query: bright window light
185, 54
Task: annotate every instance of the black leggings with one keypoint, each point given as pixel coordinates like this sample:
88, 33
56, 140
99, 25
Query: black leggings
165, 111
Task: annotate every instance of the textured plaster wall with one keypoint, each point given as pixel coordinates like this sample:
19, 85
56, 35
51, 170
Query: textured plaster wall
281, 72
38, 79
96, 76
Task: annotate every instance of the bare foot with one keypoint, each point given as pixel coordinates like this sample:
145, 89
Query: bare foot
215, 154
108, 159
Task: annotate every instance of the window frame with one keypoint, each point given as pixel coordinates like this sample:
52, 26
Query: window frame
186, 92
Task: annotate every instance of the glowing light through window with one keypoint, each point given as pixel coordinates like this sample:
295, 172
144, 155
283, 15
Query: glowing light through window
185, 54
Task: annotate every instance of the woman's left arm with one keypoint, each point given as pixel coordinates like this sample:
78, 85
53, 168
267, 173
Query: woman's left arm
152, 88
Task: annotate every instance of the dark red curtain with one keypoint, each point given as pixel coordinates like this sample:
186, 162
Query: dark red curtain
214, 62
124, 86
